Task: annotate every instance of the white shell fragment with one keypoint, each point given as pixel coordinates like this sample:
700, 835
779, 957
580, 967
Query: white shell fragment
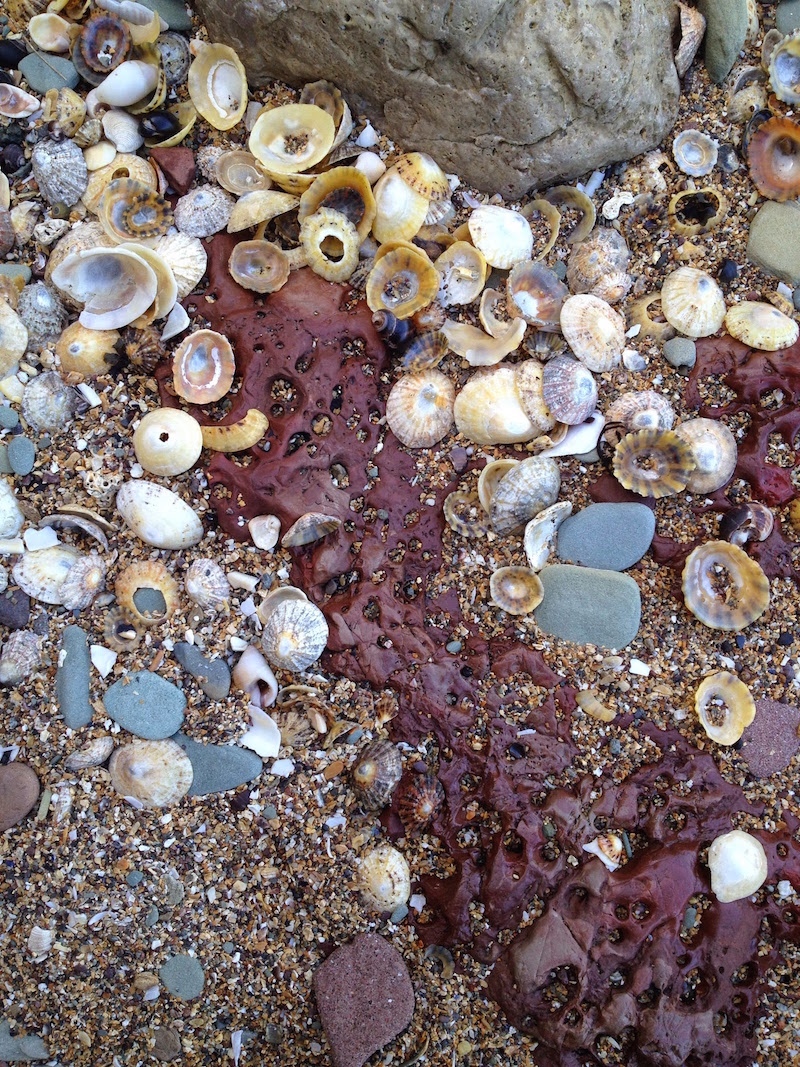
158, 516
263, 737
738, 865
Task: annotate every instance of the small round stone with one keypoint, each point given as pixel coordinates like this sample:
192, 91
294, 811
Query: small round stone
19, 791
560, 269
21, 455
183, 976
134, 878
8, 417
680, 352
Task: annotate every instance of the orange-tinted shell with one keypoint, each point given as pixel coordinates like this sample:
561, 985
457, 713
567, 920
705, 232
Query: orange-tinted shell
724, 603
343, 189
203, 367
773, 156
420, 801
403, 281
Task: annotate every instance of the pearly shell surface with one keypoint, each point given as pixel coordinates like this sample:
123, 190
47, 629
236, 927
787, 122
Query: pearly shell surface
158, 516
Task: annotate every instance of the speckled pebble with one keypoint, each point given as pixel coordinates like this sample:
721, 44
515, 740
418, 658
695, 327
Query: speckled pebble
609, 536
787, 16
54, 73
680, 352
773, 241
19, 791
72, 678
213, 675
8, 417
589, 606
183, 976
146, 705
21, 455
770, 742
15, 609
218, 768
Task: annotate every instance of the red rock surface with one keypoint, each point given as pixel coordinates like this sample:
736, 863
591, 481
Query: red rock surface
178, 166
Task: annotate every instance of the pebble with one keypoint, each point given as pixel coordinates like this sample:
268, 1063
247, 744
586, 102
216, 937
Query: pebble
5, 466
16, 270
774, 240
146, 705
134, 878
611, 537
770, 741
178, 166
365, 998
589, 606
8, 417
787, 16
167, 1044
796, 298
183, 976
152, 917
213, 675
171, 11
15, 609
680, 352
54, 73
72, 678
19, 791
726, 29
21, 1049
218, 768
21, 455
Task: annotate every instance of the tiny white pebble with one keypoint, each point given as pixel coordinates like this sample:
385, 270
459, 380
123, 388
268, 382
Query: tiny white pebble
638, 667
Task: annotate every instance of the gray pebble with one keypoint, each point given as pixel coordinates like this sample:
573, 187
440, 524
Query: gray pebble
787, 16
609, 536
589, 606
560, 269
8, 417
796, 298
21, 455
23, 1049
5, 466
218, 768
134, 878
183, 976
172, 12
146, 705
152, 917
773, 242
16, 270
213, 675
453, 647
680, 352
72, 678
726, 29
55, 73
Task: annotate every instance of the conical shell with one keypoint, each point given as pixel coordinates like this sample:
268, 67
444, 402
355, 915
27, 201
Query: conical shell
516, 590
761, 326
604, 254
692, 302
43, 314
738, 866
157, 774
295, 634
207, 585
594, 331
654, 463
419, 409
503, 236
724, 707
48, 403
784, 69
261, 266
203, 367
85, 579
376, 773
528, 488
400, 210
695, 153
536, 294
204, 211
384, 879
643, 410
239, 172
568, 390
158, 516
168, 441
714, 452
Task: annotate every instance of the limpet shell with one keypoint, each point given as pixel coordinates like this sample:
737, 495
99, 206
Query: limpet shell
516, 590
424, 175
761, 326
92, 754
84, 580
419, 802
724, 707
328, 228
384, 879
310, 527
399, 210
738, 866
692, 302
503, 236
784, 69
168, 441
654, 463
642, 410
60, 171
295, 634
160, 590
48, 403
186, 258
131, 211
530, 486
259, 265
157, 774
569, 390
43, 313
425, 351
541, 532
65, 110
236, 436
158, 516
104, 42
490, 477
291, 138
714, 452
342, 189
419, 409
463, 271
20, 657
599, 265
536, 294
403, 281
217, 84
238, 172
464, 515
773, 156
723, 587
41, 574
695, 153
489, 409
594, 331
203, 211
203, 367
376, 774
207, 585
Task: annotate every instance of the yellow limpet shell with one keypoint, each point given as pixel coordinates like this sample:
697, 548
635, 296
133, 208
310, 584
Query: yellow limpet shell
724, 706
516, 590
654, 463
292, 138
723, 587
87, 352
130, 210
761, 326
424, 175
236, 436
147, 575
403, 281
217, 84
343, 189
330, 242
692, 302
400, 210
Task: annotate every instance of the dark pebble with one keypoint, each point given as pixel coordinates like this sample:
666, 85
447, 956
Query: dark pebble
728, 271
11, 158
770, 741
786, 639
15, 609
11, 52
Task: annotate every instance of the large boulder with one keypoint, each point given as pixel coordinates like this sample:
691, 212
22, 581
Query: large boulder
511, 96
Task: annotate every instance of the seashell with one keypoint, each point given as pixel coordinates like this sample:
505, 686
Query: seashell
692, 302
463, 271
186, 258
464, 515
745, 522
403, 281
166, 286
568, 390
723, 587
60, 171
747, 94
516, 590
695, 153
329, 228
42, 313
588, 701
599, 265
92, 754
489, 409
144, 349
295, 634
20, 657
384, 879
291, 138
115, 285
203, 367
609, 849
541, 531
529, 487
133, 13
13, 337
688, 205
217, 84
176, 57
121, 631
48, 232
419, 408
478, 348
376, 774
393, 331
102, 485
24, 218
64, 110
639, 315
158, 516
127, 84
82, 236
654, 463
239, 172
204, 211
15, 103
773, 157
75, 517
253, 675
535, 293
615, 204
48, 403
147, 592
714, 452
50, 33
90, 132
724, 707
324, 94
264, 531
236, 436
310, 527
594, 331
738, 866
177, 321
552, 216
503, 236
259, 207
342, 189
692, 29
771, 39
157, 774
85, 579
761, 326
399, 210
168, 441
642, 410
121, 130
207, 585
784, 69
123, 165
490, 477
424, 175
41, 574
39, 943
425, 351
421, 799
569, 195
165, 129
104, 42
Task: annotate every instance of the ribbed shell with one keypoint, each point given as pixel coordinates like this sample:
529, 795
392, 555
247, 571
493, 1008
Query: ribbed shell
146, 575
207, 585
376, 773
20, 657
156, 773
489, 409
594, 331
530, 486
516, 590
569, 390
310, 527
384, 879
48, 403
419, 409
41, 574
654, 463
168, 441
295, 634
421, 800
761, 326
643, 410
186, 258
43, 314
85, 579
92, 754
60, 171
692, 302
714, 452
695, 153
603, 253
204, 211
536, 294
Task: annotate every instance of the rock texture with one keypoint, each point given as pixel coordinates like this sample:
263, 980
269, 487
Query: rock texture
510, 95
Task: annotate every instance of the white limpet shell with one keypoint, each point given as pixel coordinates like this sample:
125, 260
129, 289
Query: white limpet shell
13, 337
594, 331
154, 773
295, 634
503, 236
207, 585
692, 302
480, 349
185, 257
254, 676
400, 210
115, 285
177, 321
488, 410
264, 736
42, 573
158, 516
217, 85
125, 85
50, 32
265, 531
168, 441
541, 531
738, 865
384, 879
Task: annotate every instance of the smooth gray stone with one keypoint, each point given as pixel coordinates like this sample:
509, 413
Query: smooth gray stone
680, 352
20, 1049
16, 270
213, 675
787, 16
8, 417
5, 466
146, 705
54, 73
218, 768
774, 240
589, 606
72, 678
21, 455
183, 977
608, 536
171, 11
726, 29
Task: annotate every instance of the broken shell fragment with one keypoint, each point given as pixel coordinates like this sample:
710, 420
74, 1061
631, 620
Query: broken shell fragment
311, 527
168, 441
65, 109
738, 865
530, 486
384, 879
114, 285
746, 522
217, 85
158, 516
541, 531
654, 463
608, 848
594, 331
185, 257
92, 754
516, 590
264, 531
480, 349
330, 230
761, 326
692, 302
295, 634
724, 707
723, 587
236, 436
291, 138
503, 236
207, 585
203, 367
784, 69
714, 452
157, 774
695, 153
376, 773
260, 266
15, 103
257, 207
463, 272
253, 675
13, 337
147, 591
11, 516
419, 409
50, 32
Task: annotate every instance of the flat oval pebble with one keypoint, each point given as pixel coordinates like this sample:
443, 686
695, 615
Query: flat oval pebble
146, 705
787, 16
680, 352
19, 791
172, 12
52, 72
611, 537
218, 768
15, 609
21, 1049
213, 675
589, 606
183, 976
72, 678
8, 417
21, 455
770, 742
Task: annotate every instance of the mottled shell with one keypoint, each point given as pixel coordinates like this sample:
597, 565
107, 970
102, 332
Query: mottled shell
310, 527
114, 285
541, 531
48, 403
399, 210
760, 325
43, 313
236, 436
692, 302
714, 451
131, 211
642, 410
147, 591
384, 879
773, 156
724, 707
41, 574
295, 634
463, 271
425, 351
746, 522
490, 477
157, 774
123, 165
594, 331
529, 487
204, 211
503, 236
217, 84
60, 171
65, 109
207, 585
330, 229
203, 367
738, 866
516, 590
608, 848
489, 409
655, 463
784, 69
593, 263
419, 409
291, 138
238, 172
20, 657
536, 294
695, 153
724, 604
158, 516
403, 281
8, 235
15, 103
168, 441
85, 579
186, 258
376, 773
92, 754
419, 802
569, 390
464, 515
424, 175
104, 42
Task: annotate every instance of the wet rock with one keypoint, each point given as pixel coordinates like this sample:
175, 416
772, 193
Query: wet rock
172, 12
608, 536
146, 705
8, 417
218, 768
178, 166
19, 791
365, 998
21, 1049
787, 16
167, 1044
726, 29
770, 742
589, 606
213, 675
680, 352
774, 240
42, 74
72, 678
183, 976
15, 609
509, 96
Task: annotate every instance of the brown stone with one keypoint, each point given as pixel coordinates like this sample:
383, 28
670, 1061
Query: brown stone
19, 791
177, 165
770, 741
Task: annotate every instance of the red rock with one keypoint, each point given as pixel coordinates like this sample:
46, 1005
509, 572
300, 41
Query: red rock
770, 741
19, 791
365, 998
177, 165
